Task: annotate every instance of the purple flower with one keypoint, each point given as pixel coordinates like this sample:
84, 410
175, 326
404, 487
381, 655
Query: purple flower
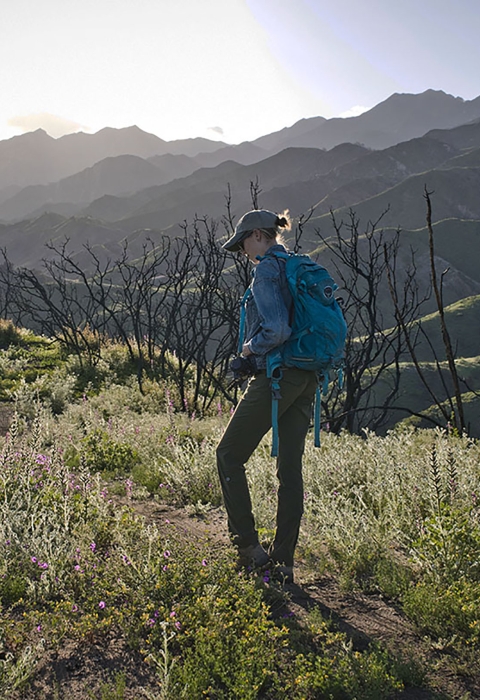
93, 546
101, 604
34, 560
204, 562
166, 553
74, 608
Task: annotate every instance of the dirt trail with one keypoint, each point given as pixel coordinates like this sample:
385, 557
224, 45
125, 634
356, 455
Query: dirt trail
364, 618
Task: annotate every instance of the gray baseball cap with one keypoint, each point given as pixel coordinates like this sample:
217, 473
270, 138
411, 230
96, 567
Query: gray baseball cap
258, 218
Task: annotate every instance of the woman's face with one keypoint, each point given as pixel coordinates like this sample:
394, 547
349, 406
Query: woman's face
256, 244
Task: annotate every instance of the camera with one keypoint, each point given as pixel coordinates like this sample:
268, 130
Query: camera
243, 367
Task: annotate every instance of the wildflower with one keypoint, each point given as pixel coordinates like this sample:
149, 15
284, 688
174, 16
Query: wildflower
204, 562
44, 565
166, 553
74, 608
178, 625
101, 605
93, 546
39, 628
165, 568
34, 560
173, 613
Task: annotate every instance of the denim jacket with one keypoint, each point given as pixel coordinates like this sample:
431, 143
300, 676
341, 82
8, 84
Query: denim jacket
268, 308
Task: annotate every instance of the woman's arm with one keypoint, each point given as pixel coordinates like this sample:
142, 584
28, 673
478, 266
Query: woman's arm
273, 313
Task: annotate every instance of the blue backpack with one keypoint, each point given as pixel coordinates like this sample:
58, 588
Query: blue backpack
318, 334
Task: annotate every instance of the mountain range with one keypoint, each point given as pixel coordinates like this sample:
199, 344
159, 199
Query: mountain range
110, 186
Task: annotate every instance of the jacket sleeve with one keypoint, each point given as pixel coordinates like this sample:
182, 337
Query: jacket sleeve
272, 310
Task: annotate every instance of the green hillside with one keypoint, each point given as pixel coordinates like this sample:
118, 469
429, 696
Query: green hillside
413, 396
455, 195
463, 323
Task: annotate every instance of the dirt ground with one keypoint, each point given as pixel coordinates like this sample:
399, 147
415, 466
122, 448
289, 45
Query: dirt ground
76, 673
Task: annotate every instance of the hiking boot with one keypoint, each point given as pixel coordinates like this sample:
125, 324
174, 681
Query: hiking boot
281, 573
253, 555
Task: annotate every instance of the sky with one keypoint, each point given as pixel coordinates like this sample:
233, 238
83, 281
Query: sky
229, 70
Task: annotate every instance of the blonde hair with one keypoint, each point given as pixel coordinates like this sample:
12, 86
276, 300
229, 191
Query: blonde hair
283, 222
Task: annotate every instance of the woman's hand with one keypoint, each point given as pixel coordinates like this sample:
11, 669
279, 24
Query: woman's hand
246, 351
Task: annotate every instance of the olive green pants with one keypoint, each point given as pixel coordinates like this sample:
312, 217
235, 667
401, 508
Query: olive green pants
251, 420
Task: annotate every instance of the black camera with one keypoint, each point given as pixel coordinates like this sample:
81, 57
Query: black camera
243, 367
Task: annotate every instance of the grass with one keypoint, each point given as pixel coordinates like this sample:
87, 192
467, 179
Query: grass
396, 515
75, 566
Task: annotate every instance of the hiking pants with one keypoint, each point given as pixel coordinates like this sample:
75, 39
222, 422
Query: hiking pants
251, 420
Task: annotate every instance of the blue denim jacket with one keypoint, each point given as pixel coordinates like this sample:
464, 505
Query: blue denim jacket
268, 308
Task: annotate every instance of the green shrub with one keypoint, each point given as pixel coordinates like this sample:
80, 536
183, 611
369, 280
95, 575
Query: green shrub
446, 611
101, 453
9, 334
449, 545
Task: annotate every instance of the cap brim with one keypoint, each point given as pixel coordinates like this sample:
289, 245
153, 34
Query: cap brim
233, 243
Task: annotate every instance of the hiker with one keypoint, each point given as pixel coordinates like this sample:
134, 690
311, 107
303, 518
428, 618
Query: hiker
267, 325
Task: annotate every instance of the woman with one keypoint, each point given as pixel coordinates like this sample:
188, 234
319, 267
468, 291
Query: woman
268, 313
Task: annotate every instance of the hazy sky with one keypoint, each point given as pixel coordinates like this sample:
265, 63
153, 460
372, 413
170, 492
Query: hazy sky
229, 69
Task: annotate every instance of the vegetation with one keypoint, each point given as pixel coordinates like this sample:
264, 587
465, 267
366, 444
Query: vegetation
396, 515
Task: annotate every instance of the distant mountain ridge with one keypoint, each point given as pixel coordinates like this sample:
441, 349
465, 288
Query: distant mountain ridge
36, 158
399, 118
